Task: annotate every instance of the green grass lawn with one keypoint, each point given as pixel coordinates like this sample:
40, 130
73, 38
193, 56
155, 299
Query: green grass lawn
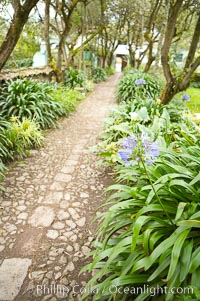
194, 103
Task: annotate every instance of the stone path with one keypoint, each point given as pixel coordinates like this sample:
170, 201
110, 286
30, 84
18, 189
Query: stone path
46, 212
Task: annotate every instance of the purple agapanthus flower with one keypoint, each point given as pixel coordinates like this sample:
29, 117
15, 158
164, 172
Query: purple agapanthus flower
185, 97
136, 149
129, 142
140, 82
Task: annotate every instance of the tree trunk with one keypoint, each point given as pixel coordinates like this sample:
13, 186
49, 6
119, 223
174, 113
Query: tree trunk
151, 58
169, 90
46, 30
19, 20
162, 33
132, 57
59, 62
104, 58
110, 59
168, 93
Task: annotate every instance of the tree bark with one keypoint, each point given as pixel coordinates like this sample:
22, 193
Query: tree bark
19, 20
46, 30
169, 90
151, 58
65, 10
169, 34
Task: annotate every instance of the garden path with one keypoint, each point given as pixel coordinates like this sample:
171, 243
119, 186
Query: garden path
46, 212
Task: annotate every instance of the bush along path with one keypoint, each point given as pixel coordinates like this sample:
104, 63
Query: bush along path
50, 200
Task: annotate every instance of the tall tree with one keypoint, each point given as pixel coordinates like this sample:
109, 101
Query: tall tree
64, 11
46, 30
20, 17
174, 83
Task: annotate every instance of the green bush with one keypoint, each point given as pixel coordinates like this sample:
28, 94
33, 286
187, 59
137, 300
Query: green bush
23, 135
141, 116
89, 86
30, 99
67, 98
18, 63
98, 74
136, 84
149, 231
74, 78
16, 137
195, 80
5, 143
110, 70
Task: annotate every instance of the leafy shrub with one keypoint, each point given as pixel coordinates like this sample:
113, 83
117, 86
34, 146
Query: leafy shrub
195, 80
98, 74
148, 234
110, 70
5, 143
2, 170
74, 78
18, 63
144, 242
141, 116
23, 135
67, 98
134, 85
89, 86
16, 137
30, 99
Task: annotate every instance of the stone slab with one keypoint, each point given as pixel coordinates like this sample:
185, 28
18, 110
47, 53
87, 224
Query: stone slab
42, 216
13, 271
53, 197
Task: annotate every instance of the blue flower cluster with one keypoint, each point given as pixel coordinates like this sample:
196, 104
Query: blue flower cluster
137, 149
140, 82
185, 97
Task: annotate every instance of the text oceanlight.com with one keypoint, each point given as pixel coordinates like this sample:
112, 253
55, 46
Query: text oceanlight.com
64, 291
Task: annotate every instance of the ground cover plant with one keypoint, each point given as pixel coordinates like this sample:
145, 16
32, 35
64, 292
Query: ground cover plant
149, 230
98, 74
23, 135
110, 70
136, 84
68, 98
74, 78
26, 98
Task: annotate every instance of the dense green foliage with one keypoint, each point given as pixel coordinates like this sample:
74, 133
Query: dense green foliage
16, 137
74, 78
149, 232
26, 98
18, 63
98, 74
26, 107
136, 84
110, 70
23, 135
67, 98
195, 80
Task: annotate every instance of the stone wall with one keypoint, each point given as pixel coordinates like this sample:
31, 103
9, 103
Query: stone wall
43, 73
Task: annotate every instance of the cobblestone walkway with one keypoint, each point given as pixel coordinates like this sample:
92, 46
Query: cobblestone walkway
46, 212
